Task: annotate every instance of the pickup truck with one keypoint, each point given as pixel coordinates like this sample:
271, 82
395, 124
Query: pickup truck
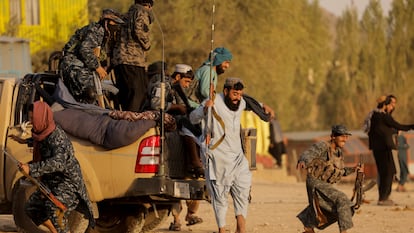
125, 198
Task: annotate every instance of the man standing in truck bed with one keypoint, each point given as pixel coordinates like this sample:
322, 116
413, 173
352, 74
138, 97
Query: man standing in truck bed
83, 54
130, 54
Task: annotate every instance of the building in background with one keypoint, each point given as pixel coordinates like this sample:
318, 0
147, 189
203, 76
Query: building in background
42, 22
15, 58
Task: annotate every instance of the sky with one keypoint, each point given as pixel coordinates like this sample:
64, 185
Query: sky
338, 6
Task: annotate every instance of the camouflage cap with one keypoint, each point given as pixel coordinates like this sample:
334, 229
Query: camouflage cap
231, 82
112, 15
338, 130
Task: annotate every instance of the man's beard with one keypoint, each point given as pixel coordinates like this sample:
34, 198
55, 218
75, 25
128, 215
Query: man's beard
219, 69
230, 104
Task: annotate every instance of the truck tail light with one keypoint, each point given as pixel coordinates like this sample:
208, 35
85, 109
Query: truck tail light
148, 156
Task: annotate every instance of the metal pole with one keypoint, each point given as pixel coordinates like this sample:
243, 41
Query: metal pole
161, 168
209, 123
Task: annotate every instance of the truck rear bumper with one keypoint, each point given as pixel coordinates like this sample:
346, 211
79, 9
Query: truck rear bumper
165, 186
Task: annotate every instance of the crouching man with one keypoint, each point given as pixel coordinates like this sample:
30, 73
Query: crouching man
324, 162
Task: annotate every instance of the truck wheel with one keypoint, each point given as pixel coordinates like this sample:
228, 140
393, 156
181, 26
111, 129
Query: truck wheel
151, 220
77, 222
119, 220
21, 193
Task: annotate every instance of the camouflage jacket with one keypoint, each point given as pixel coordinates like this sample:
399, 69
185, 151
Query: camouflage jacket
83, 43
59, 169
134, 40
321, 151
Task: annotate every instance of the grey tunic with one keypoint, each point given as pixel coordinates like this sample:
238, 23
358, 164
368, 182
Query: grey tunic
227, 169
335, 205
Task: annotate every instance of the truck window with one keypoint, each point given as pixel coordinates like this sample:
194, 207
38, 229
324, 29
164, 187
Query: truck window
33, 87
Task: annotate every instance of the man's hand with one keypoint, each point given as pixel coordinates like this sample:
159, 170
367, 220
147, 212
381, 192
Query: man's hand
208, 104
269, 110
301, 165
101, 72
25, 168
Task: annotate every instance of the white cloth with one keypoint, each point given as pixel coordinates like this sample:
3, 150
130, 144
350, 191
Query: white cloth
227, 167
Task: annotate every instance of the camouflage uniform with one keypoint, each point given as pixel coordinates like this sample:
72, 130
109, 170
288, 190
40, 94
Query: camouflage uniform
61, 173
335, 205
129, 58
79, 62
172, 96
154, 93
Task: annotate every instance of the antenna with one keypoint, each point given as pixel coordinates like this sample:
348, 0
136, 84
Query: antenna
161, 167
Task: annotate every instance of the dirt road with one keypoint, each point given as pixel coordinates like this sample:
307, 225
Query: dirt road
277, 200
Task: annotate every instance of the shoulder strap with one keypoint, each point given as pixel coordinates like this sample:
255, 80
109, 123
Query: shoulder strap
182, 95
221, 122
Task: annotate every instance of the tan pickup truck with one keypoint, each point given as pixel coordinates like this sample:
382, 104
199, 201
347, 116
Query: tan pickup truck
125, 198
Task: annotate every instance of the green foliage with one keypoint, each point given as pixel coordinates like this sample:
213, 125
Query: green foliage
312, 68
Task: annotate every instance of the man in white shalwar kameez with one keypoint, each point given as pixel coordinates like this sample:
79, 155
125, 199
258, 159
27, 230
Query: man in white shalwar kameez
227, 169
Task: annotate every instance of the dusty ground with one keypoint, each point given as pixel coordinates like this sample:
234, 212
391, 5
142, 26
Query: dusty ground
278, 198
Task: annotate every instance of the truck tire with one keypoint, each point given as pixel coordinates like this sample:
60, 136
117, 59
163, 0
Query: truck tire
151, 220
77, 222
119, 219
21, 193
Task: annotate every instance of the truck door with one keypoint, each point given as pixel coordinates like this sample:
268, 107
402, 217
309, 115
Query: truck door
6, 96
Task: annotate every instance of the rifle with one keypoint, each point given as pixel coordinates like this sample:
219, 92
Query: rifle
43, 188
99, 92
359, 187
97, 81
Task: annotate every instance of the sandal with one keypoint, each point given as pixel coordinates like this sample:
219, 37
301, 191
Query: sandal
192, 220
175, 227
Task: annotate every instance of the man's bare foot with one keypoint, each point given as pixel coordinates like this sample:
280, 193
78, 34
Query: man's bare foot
308, 230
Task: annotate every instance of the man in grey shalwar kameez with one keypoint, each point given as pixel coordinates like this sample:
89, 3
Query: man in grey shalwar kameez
227, 169
324, 162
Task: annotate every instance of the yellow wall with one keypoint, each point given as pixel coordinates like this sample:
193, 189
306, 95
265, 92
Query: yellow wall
251, 120
58, 20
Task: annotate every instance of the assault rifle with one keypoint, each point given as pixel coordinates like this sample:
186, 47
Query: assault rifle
97, 81
43, 188
359, 188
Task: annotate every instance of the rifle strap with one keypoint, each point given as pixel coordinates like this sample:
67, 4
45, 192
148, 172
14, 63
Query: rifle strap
221, 122
320, 217
59, 215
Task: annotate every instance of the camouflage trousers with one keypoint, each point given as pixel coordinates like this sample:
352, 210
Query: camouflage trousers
40, 209
78, 79
335, 205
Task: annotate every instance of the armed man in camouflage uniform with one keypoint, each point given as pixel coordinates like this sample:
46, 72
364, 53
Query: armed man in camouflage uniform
83, 54
324, 162
54, 162
130, 54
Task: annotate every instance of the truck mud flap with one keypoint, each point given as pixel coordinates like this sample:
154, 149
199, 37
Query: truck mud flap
164, 186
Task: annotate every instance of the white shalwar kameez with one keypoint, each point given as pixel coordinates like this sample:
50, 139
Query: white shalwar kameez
227, 169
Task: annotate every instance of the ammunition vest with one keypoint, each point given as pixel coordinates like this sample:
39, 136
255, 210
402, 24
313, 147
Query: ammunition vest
330, 170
